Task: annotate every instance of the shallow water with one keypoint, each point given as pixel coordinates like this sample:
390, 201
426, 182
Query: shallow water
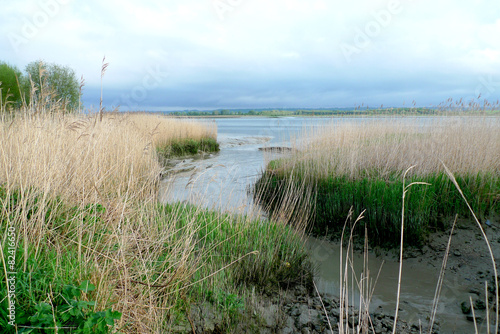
222, 181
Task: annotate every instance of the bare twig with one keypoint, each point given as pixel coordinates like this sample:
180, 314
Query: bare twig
323, 305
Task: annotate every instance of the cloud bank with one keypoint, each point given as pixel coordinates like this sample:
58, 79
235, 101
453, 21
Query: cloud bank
255, 54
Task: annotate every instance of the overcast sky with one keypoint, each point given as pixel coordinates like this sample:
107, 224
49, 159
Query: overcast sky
195, 54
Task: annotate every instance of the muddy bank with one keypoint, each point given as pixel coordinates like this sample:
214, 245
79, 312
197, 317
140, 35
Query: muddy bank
468, 267
229, 142
294, 311
300, 311
218, 180
186, 164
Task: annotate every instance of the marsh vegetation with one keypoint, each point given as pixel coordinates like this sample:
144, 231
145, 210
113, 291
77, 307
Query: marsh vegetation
361, 166
96, 252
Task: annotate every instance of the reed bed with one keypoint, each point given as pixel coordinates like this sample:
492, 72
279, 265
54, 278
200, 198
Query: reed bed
164, 129
466, 145
95, 251
361, 165
171, 136
78, 159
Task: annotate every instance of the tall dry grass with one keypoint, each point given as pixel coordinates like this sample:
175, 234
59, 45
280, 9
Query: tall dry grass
465, 145
164, 130
83, 194
73, 158
81, 160
82, 197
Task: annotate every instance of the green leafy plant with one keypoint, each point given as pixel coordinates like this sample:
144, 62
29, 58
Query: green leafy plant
70, 312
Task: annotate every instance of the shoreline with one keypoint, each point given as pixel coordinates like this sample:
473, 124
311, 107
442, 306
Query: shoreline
246, 270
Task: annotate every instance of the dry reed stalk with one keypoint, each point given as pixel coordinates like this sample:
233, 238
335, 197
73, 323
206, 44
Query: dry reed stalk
473, 314
485, 238
324, 308
344, 274
406, 188
364, 285
486, 294
103, 70
439, 285
367, 289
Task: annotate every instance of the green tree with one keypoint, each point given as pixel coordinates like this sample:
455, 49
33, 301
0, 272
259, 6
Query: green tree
58, 82
11, 80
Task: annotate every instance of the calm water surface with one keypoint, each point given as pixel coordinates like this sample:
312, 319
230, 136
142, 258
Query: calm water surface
222, 180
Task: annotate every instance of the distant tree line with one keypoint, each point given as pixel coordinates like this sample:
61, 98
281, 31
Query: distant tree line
39, 81
311, 112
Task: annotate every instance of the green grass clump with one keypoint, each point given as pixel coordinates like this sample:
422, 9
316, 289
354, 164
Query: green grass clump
426, 206
182, 147
263, 256
281, 260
